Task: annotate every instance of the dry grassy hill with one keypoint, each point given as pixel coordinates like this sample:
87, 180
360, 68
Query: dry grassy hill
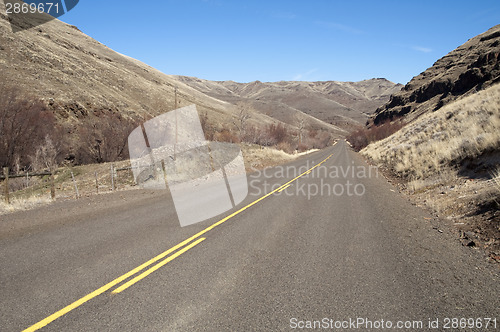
469, 68
82, 81
450, 160
448, 155
96, 95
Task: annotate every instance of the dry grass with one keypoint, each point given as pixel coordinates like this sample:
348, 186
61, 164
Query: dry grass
496, 178
258, 157
449, 159
22, 204
436, 141
38, 192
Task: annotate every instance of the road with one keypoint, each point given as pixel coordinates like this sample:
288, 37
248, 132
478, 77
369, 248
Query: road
273, 263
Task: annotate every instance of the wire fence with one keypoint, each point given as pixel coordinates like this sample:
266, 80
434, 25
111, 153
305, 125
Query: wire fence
66, 182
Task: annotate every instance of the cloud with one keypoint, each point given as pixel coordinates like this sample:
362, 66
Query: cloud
421, 49
284, 15
341, 27
299, 77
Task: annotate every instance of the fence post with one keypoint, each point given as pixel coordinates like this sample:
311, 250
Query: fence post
164, 170
6, 192
52, 185
112, 178
76, 187
96, 182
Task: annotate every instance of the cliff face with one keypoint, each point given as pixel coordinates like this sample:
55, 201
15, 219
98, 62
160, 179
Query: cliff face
469, 68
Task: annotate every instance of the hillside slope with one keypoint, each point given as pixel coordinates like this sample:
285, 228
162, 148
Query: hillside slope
470, 68
450, 160
97, 95
58, 61
92, 89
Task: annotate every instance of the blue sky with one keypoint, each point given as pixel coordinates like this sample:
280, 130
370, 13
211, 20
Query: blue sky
285, 40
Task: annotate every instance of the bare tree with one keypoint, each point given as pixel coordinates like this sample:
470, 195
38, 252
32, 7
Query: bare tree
301, 127
24, 122
105, 138
241, 121
45, 156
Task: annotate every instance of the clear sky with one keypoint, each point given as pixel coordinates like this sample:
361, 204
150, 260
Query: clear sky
272, 40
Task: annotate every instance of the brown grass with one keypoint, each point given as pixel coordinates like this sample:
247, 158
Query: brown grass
448, 159
496, 178
25, 197
464, 129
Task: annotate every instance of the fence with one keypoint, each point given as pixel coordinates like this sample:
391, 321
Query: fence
66, 182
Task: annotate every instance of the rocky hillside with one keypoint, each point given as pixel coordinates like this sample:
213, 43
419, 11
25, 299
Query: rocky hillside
449, 160
447, 156
471, 67
343, 104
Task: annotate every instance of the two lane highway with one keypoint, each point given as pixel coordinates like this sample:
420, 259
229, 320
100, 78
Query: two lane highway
336, 242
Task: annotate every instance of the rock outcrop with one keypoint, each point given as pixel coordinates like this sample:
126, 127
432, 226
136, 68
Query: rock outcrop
469, 68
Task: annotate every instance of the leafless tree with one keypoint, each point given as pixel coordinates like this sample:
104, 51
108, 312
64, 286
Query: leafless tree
105, 138
301, 127
45, 157
241, 121
24, 123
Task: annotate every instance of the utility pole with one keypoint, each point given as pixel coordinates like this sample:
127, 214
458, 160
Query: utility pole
176, 133
175, 98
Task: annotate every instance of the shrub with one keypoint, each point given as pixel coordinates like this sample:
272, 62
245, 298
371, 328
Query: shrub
364, 136
104, 138
286, 147
225, 135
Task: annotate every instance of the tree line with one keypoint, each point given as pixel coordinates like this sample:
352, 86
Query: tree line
31, 138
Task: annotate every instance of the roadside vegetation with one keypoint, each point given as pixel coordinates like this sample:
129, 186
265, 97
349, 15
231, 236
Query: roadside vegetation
277, 135
32, 142
361, 137
450, 160
34, 138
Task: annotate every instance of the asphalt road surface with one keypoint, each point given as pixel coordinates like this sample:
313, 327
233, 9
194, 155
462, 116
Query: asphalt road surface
332, 245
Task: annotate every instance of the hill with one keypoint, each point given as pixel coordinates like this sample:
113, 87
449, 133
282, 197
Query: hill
448, 155
342, 104
471, 67
96, 95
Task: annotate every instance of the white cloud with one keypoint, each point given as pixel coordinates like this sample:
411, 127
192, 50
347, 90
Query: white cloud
341, 27
284, 15
421, 49
305, 75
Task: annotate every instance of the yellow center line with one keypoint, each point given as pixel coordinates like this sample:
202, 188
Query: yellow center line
127, 275
288, 185
156, 267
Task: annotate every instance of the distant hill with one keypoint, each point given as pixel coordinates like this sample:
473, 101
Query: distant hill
471, 67
343, 104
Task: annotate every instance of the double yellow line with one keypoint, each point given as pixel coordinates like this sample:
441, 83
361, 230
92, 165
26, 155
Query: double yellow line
141, 267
